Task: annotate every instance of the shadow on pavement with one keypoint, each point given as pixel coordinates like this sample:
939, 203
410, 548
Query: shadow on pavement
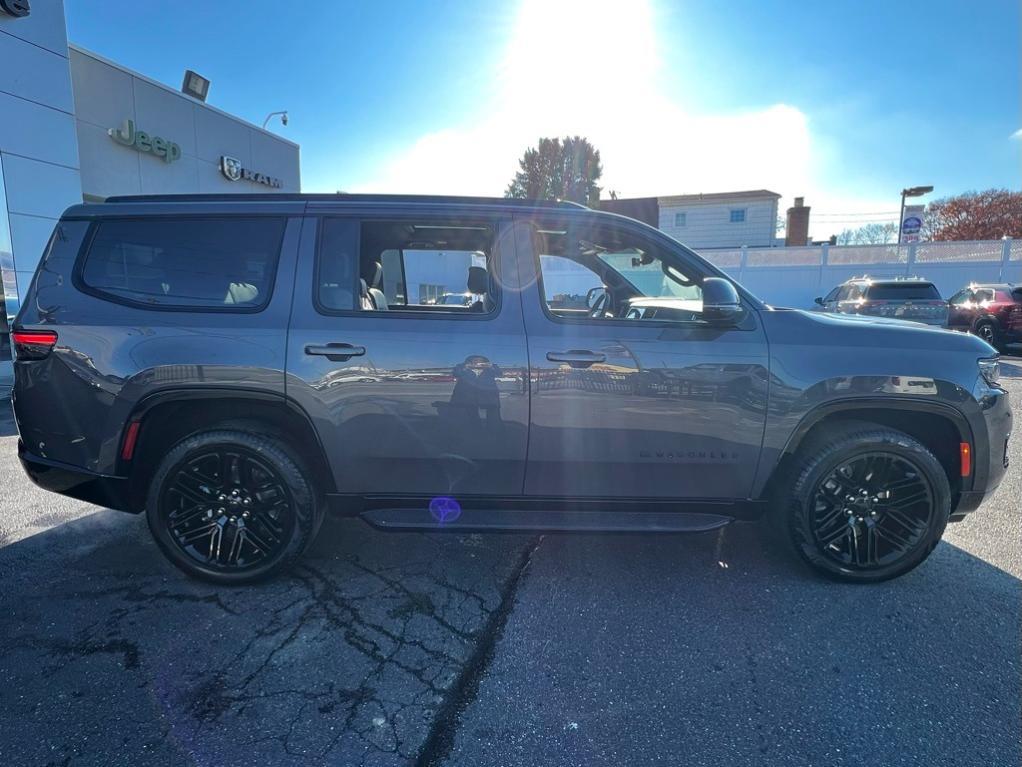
107, 651
717, 650
703, 649
7, 427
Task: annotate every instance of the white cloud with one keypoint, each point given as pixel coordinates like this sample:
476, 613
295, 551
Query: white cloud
1017, 134
651, 143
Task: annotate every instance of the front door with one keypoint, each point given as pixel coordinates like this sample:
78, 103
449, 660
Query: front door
407, 349
633, 395
961, 310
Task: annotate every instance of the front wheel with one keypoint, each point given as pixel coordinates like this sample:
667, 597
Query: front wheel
232, 507
988, 333
865, 504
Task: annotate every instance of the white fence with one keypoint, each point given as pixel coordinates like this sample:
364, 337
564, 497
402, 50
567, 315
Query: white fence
795, 276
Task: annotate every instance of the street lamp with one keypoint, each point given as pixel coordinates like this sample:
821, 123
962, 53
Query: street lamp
283, 118
912, 191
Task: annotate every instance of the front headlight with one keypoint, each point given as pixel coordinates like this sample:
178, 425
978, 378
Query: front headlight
990, 369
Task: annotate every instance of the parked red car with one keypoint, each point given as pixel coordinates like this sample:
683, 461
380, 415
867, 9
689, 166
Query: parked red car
992, 312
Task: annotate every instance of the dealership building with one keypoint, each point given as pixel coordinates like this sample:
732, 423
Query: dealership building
78, 127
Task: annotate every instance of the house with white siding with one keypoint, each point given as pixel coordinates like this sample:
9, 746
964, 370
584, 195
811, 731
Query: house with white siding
706, 221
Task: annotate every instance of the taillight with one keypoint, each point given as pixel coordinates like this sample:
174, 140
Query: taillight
33, 344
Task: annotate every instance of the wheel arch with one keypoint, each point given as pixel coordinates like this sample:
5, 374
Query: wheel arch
170, 415
938, 425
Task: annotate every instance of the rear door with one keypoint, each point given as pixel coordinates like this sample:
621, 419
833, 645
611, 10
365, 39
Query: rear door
411, 396
1013, 313
632, 395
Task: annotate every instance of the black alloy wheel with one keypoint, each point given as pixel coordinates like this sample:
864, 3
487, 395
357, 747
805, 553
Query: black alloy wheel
862, 503
226, 508
871, 510
232, 507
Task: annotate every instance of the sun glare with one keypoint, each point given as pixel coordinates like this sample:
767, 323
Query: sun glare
596, 69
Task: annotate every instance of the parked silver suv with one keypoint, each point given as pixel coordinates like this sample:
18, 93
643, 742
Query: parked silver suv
236, 366
904, 298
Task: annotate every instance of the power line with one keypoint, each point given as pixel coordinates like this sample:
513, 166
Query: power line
857, 214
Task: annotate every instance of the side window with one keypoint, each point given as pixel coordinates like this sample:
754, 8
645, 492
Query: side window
961, 297
337, 263
217, 263
832, 295
424, 267
984, 295
567, 284
606, 273
843, 293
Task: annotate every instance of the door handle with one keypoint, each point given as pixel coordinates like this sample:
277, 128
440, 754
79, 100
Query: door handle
337, 352
577, 358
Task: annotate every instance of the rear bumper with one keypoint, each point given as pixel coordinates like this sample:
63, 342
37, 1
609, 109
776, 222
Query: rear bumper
74, 482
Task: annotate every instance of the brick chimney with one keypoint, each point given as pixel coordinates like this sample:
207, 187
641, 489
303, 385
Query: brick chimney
796, 231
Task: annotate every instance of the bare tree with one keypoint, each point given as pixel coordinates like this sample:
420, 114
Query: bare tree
869, 234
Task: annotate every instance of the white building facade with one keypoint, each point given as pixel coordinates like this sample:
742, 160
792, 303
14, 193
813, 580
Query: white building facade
723, 220
708, 221
77, 127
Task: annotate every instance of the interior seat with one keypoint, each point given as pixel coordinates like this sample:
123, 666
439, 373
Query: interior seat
373, 278
479, 284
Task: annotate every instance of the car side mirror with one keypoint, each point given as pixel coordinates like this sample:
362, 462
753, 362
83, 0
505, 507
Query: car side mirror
722, 305
595, 296
818, 300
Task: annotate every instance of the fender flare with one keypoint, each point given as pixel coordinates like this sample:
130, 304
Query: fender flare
851, 404
153, 399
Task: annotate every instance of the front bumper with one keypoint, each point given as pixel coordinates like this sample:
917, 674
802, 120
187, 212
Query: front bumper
990, 451
74, 482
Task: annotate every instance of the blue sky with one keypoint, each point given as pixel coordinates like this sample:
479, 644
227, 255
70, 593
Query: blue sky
844, 103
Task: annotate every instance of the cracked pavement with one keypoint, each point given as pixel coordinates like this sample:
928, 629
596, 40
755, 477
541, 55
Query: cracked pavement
439, 649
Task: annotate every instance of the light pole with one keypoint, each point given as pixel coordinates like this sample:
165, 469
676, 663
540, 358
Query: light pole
283, 118
912, 191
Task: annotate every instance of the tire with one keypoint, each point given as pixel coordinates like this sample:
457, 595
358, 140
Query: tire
233, 489
822, 515
988, 332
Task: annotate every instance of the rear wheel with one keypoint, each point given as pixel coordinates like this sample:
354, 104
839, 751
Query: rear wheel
231, 507
865, 504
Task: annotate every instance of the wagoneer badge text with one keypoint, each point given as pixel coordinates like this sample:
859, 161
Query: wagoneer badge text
233, 170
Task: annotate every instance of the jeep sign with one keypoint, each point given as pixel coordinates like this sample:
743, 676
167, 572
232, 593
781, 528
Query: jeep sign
141, 141
234, 171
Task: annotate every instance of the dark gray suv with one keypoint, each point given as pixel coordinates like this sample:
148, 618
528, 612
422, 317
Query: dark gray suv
235, 367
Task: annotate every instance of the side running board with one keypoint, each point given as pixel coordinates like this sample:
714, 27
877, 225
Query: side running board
584, 521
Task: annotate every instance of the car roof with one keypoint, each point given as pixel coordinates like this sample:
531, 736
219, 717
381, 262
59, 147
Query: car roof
888, 281
350, 198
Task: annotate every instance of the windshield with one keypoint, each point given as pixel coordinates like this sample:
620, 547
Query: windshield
650, 277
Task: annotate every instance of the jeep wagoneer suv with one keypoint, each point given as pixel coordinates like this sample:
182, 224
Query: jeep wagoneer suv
234, 367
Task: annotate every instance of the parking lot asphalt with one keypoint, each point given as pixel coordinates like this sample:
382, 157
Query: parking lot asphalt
438, 649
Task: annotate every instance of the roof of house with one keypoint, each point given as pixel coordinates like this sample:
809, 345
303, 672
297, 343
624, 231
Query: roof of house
718, 196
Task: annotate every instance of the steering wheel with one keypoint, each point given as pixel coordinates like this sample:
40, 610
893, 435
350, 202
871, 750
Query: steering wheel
600, 305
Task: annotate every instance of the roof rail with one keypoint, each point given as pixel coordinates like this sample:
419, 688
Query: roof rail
345, 197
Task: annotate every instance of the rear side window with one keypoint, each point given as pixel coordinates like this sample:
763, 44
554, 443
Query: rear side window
417, 268
216, 263
903, 291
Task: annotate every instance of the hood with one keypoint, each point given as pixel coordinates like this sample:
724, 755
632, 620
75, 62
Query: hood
864, 330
